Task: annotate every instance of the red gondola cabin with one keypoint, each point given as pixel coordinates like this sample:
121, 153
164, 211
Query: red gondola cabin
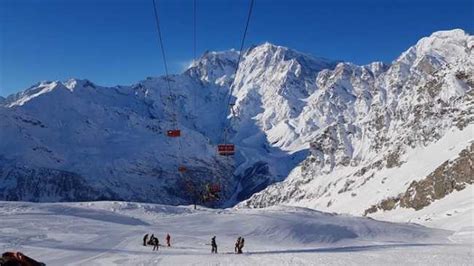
182, 169
173, 133
226, 149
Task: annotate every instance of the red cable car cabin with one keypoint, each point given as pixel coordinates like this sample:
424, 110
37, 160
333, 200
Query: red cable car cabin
182, 169
173, 133
226, 149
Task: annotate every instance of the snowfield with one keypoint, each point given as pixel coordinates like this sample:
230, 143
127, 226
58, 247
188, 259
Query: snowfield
110, 233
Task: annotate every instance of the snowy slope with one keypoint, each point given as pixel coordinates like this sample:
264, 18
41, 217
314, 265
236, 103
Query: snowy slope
110, 233
110, 137
455, 212
357, 196
319, 126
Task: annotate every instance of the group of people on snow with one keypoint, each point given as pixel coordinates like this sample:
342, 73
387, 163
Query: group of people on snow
239, 245
153, 241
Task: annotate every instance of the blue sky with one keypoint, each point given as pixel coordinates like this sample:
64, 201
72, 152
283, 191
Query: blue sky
114, 41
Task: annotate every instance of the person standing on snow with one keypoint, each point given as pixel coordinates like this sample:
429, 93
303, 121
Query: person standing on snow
241, 245
150, 242
214, 245
168, 240
145, 238
156, 244
237, 244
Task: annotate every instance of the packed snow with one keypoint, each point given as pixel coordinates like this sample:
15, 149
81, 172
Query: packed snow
110, 233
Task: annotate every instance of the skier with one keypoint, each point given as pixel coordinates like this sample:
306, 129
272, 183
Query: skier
237, 244
145, 238
214, 245
150, 242
156, 244
241, 245
168, 240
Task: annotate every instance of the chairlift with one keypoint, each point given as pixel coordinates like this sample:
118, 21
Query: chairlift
226, 149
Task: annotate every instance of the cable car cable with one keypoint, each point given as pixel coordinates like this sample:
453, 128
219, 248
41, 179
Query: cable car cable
225, 132
174, 132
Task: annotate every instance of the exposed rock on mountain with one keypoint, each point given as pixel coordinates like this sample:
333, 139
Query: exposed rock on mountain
452, 175
394, 126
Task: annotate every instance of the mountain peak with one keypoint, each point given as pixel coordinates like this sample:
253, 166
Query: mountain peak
218, 67
267, 46
215, 67
443, 46
454, 33
34, 91
45, 87
74, 83
270, 54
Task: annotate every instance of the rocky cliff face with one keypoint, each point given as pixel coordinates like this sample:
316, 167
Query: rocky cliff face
387, 116
452, 175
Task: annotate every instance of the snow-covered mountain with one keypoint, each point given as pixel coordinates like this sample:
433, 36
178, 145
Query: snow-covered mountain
329, 133
75, 140
401, 135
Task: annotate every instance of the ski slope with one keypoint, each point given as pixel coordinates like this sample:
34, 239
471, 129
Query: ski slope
454, 212
110, 233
